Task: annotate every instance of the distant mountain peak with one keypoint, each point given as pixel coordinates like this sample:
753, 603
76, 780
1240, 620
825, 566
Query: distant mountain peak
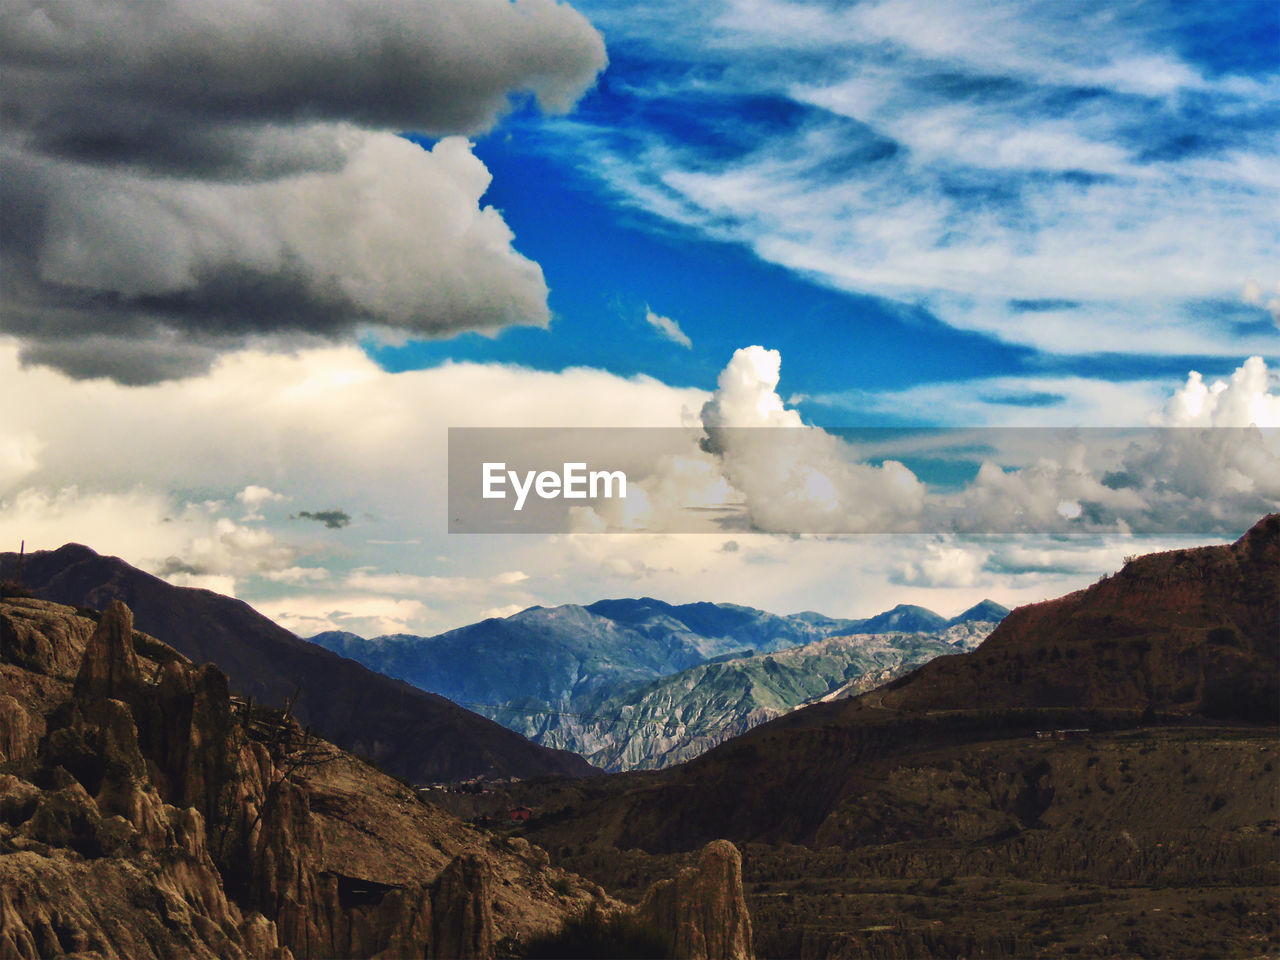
904, 618
984, 611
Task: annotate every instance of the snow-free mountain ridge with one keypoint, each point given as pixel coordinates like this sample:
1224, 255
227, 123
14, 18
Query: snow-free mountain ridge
594, 678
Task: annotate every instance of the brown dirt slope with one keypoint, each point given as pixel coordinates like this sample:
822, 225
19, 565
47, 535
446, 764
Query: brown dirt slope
1189, 631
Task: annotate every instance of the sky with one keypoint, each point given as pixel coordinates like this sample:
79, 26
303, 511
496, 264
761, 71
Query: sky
254, 266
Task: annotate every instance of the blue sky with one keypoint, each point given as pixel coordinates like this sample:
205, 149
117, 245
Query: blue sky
899, 194
239, 296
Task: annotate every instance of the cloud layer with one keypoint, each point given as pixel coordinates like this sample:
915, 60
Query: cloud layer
266, 436
175, 185
788, 477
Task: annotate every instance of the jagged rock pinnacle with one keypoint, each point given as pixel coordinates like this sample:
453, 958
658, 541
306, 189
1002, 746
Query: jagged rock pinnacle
110, 665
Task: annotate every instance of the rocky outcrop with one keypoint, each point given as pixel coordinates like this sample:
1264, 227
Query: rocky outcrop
17, 732
42, 637
109, 667
461, 912
150, 814
703, 912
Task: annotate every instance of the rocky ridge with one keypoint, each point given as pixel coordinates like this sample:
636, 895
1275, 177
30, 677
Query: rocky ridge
647, 726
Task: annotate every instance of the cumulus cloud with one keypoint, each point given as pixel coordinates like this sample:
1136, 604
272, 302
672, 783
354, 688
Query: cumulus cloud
758, 466
942, 564
159, 216
1216, 469
801, 479
254, 498
795, 477
1243, 400
668, 328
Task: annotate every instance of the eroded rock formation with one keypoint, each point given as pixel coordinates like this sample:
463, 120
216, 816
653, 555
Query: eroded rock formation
702, 911
145, 812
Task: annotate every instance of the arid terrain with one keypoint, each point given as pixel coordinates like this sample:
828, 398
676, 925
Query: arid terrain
1097, 779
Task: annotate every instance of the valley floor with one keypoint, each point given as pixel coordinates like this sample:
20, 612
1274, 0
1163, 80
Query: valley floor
1152, 842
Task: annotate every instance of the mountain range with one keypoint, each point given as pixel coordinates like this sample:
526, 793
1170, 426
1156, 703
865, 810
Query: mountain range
1097, 778
642, 683
649, 725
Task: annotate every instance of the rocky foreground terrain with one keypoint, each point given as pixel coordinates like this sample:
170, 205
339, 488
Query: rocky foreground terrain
146, 812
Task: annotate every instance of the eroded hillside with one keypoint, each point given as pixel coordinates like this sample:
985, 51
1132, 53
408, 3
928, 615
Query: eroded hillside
146, 812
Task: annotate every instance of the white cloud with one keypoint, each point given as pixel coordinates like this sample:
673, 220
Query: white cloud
758, 466
254, 498
364, 613
797, 478
325, 428
668, 328
230, 549
298, 575
1243, 401
942, 564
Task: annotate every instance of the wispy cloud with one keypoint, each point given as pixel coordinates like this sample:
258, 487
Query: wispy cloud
961, 155
668, 328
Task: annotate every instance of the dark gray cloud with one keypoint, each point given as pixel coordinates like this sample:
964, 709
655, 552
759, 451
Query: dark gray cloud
174, 183
174, 565
333, 519
185, 86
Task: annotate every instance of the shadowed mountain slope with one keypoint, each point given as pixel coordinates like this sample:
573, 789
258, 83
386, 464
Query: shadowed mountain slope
1188, 631
408, 732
